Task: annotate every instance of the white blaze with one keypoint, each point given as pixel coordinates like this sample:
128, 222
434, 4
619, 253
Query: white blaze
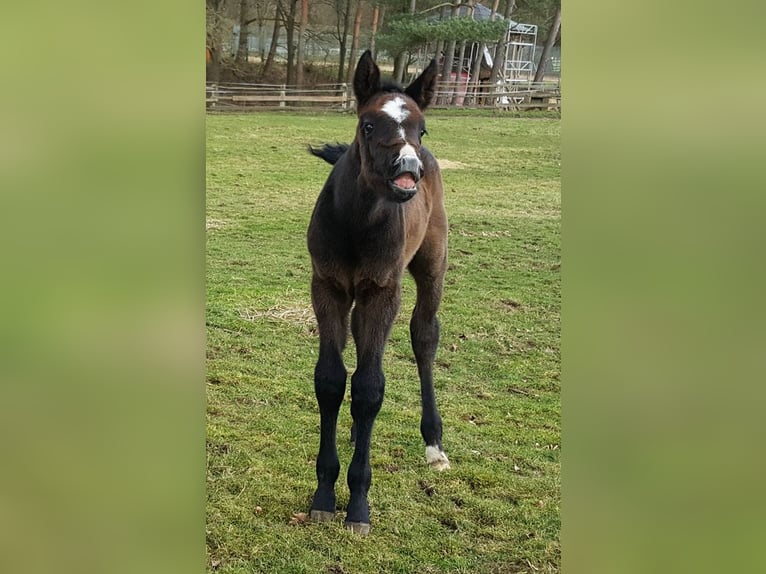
409, 151
396, 109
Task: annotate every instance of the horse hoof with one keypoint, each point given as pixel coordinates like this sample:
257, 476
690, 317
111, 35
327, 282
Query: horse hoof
437, 459
360, 528
322, 516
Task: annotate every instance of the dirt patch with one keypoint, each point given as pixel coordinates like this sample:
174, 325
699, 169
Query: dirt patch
301, 316
214, 223
449, 164
502, 233
510, 304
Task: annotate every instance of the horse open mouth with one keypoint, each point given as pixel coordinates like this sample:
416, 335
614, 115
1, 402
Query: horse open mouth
404, 186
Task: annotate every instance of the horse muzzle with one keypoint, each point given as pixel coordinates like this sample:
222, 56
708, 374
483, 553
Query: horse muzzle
404, 183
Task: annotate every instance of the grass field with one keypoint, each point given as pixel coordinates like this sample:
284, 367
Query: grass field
497, 370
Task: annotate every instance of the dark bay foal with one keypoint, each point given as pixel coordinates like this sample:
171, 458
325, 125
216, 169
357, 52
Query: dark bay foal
380, 212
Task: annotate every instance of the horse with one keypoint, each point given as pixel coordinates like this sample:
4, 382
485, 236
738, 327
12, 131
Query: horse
381, 211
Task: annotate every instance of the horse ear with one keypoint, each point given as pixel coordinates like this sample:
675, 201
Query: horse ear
366, 79
422, 89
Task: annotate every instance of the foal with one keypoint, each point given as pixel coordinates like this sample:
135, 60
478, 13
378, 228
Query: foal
380, 211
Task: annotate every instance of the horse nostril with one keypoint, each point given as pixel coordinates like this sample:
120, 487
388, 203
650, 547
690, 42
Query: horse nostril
411, 164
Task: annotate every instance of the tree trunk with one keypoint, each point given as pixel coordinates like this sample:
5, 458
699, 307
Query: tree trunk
449, 56
498, 66
400, 65
458, 71
215, 13
375, 18
241, 57
214, 66
476, 71
475, 76
290, 32
274, 40
540, 73
440, 43
354, 41
342, 40
301, 42
461, 57
261, 41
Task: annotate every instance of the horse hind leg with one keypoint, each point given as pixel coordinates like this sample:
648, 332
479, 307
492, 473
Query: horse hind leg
424, 332
331, 307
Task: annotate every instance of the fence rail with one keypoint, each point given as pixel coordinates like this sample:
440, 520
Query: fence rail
509, 96
259, 96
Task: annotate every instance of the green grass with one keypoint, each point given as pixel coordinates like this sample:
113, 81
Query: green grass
496, 375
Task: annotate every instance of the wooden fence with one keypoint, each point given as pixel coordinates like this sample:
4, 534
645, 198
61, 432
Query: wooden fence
252, 97
260, 96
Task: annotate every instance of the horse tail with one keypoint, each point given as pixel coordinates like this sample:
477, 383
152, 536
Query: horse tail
329, 152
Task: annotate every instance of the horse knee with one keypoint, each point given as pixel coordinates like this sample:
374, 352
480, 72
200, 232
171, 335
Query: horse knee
424, 333
424, 327
329, 383
367, 389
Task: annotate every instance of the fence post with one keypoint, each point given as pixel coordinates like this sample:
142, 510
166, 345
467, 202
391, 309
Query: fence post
211, 93
344, 96
282, 95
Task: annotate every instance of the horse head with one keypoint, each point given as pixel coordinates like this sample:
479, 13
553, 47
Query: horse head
391, 126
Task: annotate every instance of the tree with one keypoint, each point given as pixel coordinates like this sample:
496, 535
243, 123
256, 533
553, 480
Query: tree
376, 18
343, 22
460, 58
443, 15
274, 40
215, 22
498, 65
288, 14
476, 72
241, 57
400, 63
552, 34
354, 41
449, 52
263, 11
538, 12
301, 42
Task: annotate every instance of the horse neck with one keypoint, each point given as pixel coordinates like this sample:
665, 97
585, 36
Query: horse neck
363, 204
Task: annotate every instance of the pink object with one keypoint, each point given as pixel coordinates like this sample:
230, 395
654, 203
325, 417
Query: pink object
462, 86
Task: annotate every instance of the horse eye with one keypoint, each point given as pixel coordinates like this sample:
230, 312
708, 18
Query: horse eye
367, 128
423, 132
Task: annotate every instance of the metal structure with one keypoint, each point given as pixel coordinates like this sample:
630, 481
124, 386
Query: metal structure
520, 40
520, 52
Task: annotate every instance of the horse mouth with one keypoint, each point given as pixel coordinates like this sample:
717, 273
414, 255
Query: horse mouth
404, 186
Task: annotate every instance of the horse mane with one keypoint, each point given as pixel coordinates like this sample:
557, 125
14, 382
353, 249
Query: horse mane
390, 86
331, 153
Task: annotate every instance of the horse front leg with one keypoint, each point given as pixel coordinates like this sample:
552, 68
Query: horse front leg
371, 322
331, 307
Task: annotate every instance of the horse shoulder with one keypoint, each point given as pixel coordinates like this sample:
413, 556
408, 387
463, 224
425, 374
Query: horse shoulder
328, 233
